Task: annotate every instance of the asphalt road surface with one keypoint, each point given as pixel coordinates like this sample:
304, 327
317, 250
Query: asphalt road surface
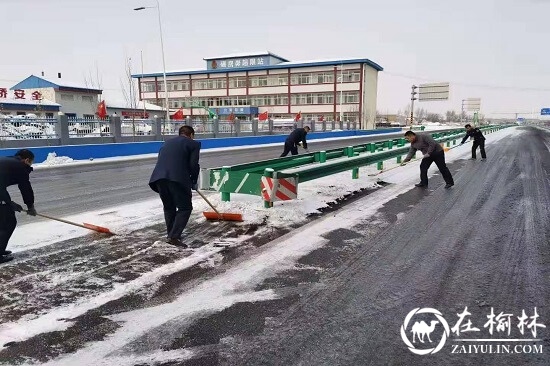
483, 244
71, 190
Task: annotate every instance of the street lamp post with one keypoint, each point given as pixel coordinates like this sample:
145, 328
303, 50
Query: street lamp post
163, 59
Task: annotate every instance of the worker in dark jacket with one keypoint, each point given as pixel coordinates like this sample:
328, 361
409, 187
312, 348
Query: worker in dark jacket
294, 139
174, 177
14, 170
479, 140
432, 152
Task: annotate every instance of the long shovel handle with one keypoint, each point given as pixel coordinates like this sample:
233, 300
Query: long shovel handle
61, 220
207, 201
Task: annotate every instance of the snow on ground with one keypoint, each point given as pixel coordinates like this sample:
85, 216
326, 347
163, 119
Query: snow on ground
233, 286
53, 159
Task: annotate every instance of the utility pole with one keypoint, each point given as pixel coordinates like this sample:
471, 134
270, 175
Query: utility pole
413, 98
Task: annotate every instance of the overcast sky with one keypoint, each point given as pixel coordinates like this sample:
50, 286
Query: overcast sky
497, 50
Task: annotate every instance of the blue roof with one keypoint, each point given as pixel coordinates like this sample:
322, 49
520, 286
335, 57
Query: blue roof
35, 82
247, 54
282, 65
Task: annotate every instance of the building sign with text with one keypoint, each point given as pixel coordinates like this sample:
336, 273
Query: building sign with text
238, 63
20, 94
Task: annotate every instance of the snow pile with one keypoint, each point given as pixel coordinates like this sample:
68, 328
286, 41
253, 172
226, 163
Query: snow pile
53, 159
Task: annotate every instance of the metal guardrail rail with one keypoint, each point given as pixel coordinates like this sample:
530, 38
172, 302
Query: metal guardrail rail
247, 178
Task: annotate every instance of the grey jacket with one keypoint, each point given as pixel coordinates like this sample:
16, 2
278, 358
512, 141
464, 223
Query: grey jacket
426, 144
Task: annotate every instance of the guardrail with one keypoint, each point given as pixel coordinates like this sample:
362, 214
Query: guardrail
278, 179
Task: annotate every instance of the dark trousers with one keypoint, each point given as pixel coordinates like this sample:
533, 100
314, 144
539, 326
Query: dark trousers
176, 199
290, 147
439, 160
7, 224
481, 145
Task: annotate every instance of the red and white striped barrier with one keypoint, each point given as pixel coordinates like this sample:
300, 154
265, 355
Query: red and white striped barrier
283, 189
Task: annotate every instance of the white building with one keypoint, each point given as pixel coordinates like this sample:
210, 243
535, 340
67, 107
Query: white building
75, 101
253, 83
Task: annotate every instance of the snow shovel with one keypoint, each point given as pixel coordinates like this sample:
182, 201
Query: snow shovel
392, 168
99, 229
216, 215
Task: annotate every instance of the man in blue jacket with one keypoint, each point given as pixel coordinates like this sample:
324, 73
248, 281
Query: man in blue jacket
296, 137
174, 177
14, 170
479, 140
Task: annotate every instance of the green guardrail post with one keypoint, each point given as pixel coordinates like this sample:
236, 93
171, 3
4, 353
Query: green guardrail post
380, 165
399, 159
401, 142
380, 146
349, 151
454, 142
226, 196
268, 173
448, 143
322, 156
355, 171
422, 128
390, 144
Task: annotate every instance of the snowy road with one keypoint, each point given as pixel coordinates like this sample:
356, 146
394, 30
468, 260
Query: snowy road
333, 292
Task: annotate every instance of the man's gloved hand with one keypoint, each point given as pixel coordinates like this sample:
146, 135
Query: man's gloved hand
16, 206
425, 156
195, 186
31, 211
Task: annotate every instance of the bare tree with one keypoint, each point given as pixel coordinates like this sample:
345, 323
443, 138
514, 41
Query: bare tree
129, 91
92, 80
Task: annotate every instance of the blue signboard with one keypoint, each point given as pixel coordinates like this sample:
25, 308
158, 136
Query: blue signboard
238, 63
545, 112
226, 111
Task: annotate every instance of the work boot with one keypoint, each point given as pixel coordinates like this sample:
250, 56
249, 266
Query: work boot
6, 252
449, 185
420, 185
472, 158
177, 242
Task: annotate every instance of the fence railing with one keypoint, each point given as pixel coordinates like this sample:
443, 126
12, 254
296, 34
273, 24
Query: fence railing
25, 129
65, 131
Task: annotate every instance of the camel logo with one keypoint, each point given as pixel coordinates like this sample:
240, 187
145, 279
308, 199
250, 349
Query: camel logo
422, 332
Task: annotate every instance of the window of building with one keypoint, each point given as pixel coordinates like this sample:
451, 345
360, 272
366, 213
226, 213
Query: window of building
237, 82
148, 87
87, 98
350, 97
67, 97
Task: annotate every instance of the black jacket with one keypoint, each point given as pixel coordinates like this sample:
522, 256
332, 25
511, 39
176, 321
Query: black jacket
178, 161
298, 135
475, 133
14, 171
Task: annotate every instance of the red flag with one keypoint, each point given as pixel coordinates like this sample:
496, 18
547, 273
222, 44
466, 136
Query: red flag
178, 115
263, 116
298, 116
231, 117
321, 118
101, 110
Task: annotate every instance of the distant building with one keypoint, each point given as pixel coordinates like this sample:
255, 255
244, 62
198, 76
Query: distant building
75, 101
142, 110
251, 83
